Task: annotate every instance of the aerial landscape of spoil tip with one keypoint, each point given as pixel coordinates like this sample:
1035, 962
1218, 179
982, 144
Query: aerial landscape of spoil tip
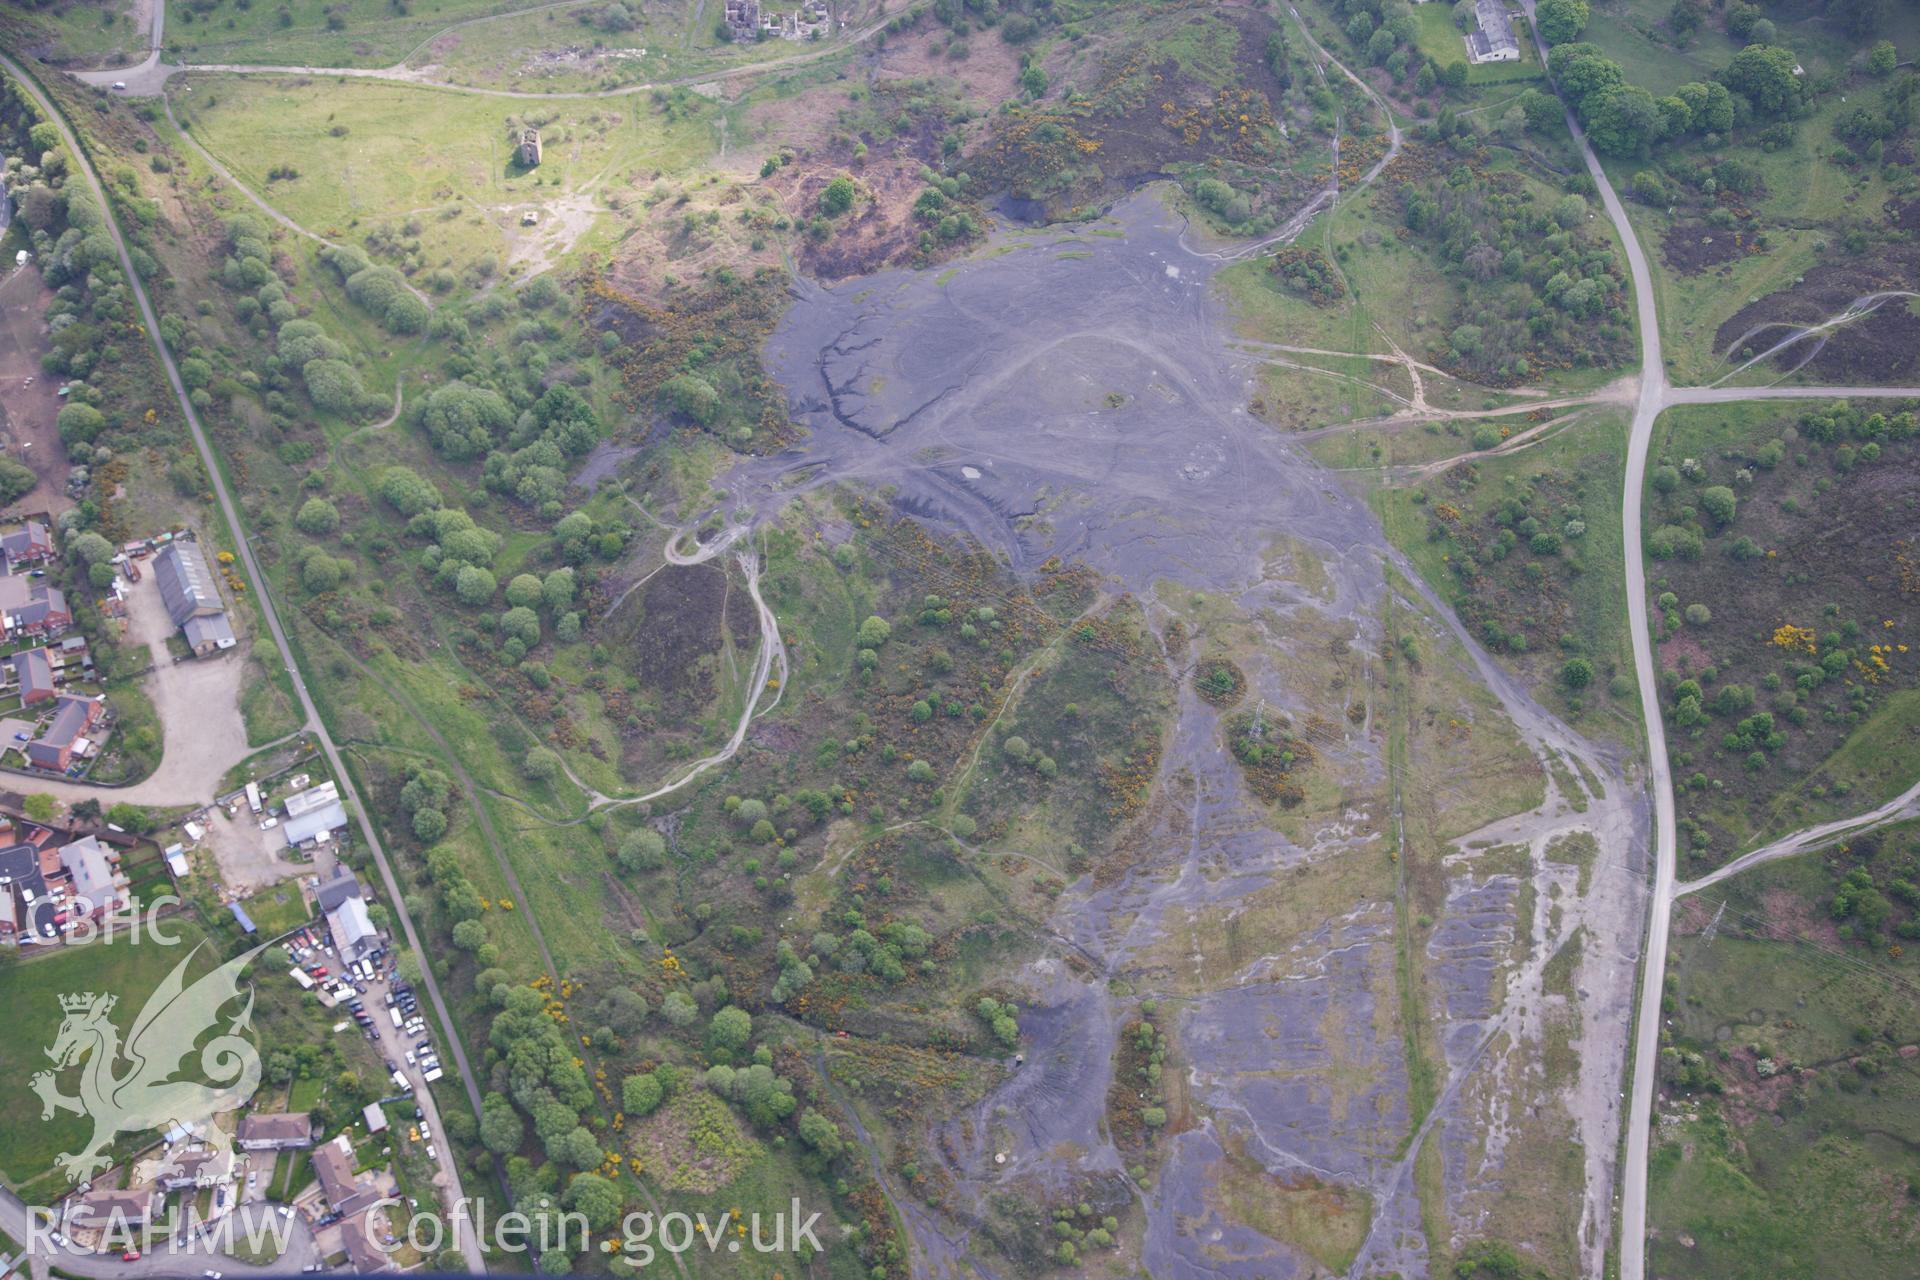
884, 639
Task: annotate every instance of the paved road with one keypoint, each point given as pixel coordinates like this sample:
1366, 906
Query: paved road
1904, 805
468, 1245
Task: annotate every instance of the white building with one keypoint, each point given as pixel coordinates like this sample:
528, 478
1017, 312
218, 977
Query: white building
1495, 40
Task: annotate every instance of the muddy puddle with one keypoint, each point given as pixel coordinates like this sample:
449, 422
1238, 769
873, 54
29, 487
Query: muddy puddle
1069, 392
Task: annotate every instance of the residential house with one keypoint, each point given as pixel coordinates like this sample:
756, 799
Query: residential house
333, 1166
73, 718
30, 607
305, 802
743, 19
110, 1208
27, 546
363, 1257
195, 1166
530, 148
1494, 41
208, 635
33, 670
275, 1131
95, 874
192, 597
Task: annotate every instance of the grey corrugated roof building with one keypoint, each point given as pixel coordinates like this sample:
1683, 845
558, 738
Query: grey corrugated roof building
310, 826
185, 583
213, 632
352, 929
193, 597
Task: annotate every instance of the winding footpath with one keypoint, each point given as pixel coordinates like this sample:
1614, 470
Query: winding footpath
83, 163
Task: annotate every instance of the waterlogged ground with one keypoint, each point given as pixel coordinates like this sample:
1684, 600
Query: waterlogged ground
1358, 991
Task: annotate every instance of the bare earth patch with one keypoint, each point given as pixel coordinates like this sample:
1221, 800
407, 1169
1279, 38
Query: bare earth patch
985, 75
28, 398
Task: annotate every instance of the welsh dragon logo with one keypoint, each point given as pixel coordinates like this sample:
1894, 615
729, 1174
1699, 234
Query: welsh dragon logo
145, 1095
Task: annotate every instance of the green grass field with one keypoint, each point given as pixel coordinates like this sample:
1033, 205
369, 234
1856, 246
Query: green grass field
276, 910
1808, 1173
266, 699
1647, 61
559, 49
349, 33
92, 31
1802, 219
435, 166
32, 989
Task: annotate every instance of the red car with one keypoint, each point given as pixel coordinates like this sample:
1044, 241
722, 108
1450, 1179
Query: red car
131, 1255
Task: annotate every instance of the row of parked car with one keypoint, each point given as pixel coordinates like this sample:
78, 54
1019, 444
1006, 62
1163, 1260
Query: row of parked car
404, 1009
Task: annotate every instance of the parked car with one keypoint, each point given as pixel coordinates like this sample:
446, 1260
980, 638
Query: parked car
131, 1255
